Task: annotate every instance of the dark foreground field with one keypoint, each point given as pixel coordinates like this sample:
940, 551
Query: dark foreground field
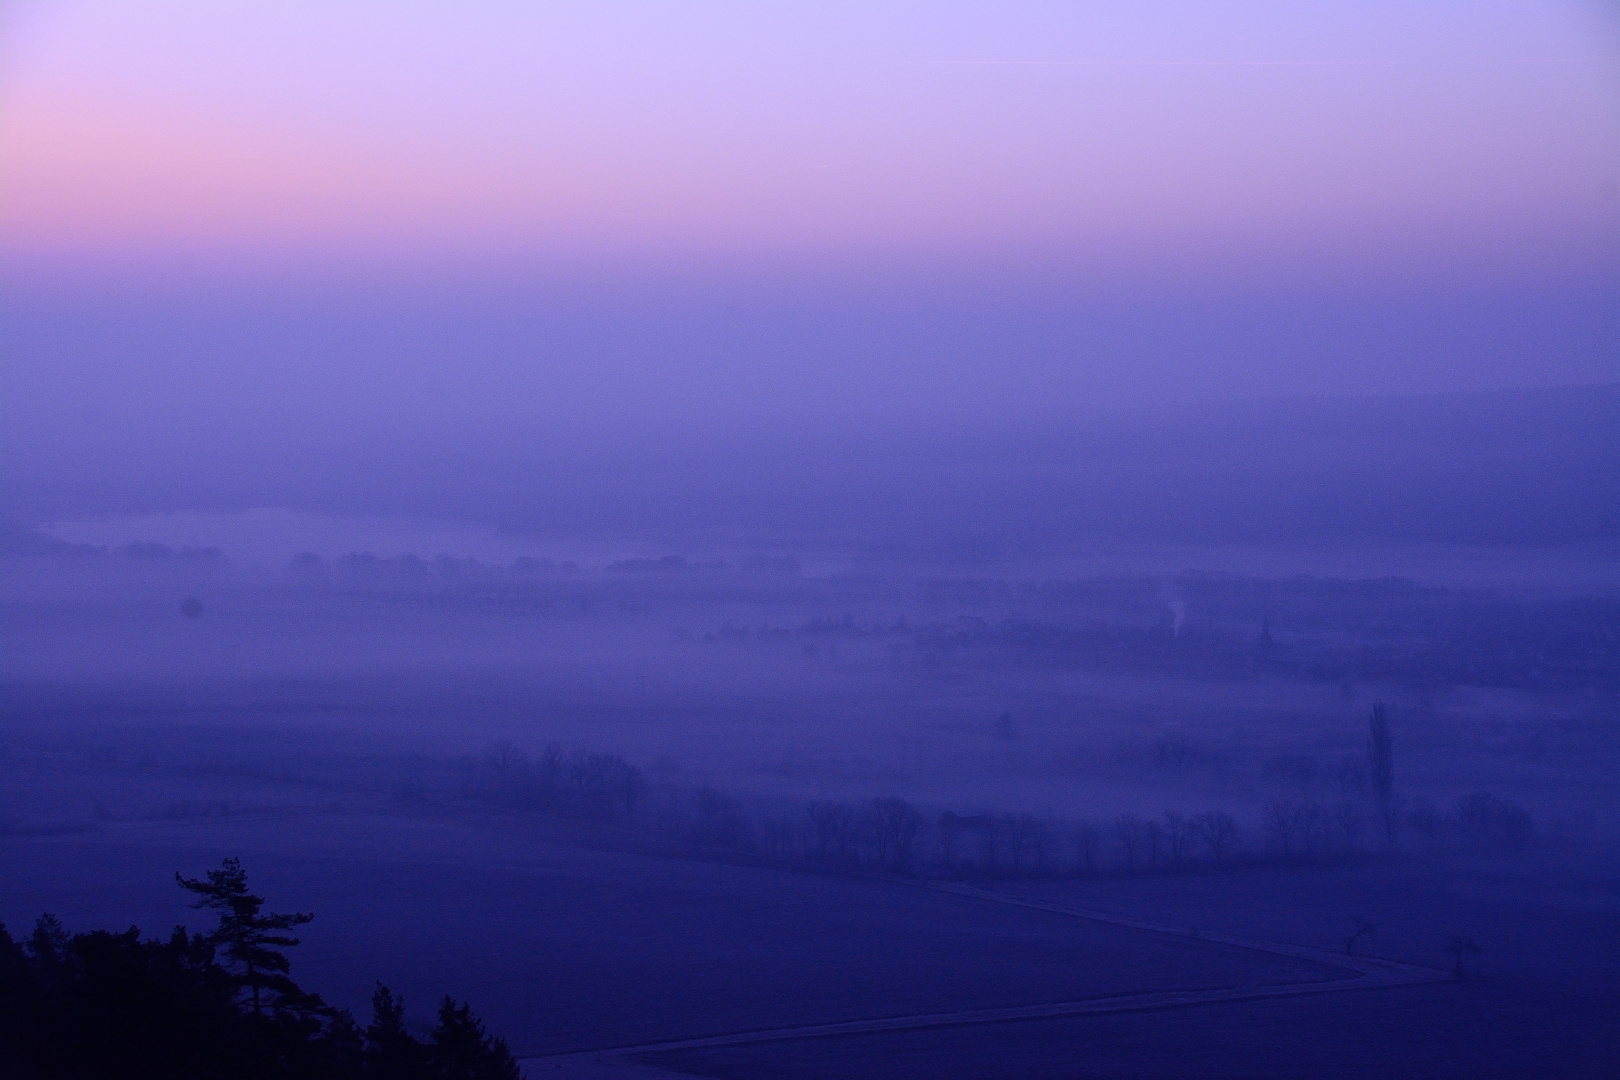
1447, 1030
564, 946
568, 948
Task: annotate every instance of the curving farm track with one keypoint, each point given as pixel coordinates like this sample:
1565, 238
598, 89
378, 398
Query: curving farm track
1358, 973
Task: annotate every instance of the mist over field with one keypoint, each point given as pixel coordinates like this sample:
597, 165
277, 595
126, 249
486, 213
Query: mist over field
1037, 542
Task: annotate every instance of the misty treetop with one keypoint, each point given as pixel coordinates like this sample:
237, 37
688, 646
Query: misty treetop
218, 1005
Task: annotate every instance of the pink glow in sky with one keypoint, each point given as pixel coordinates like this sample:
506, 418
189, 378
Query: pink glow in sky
1445, 133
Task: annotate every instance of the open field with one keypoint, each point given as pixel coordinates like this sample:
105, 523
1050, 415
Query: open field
1449, 1030
1546, 1002
566, 948
1534, 916
544, 929
411, 759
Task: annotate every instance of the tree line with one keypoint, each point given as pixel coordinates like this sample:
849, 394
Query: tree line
219, 1005
889, 834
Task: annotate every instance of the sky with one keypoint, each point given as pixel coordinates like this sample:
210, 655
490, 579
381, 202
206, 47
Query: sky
343, 232
1122, 135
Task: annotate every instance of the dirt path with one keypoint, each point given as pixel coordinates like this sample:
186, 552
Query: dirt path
1358, 973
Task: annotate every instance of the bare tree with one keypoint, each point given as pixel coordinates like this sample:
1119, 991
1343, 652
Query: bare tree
1020, 832
1128, 829
1283, 821
1347, 815
779, 837
832, 826
1041, 847
1315, 829
1178, 836
1153, 834
1087, 845
985, 825
1483, 818
720, 821
1381, 764
1219, 832
503, 755
951, 826
894, 827
1425, 819
990, 828
551, 764
601, 784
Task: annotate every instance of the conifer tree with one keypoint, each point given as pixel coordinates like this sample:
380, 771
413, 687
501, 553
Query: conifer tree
250, 939
461, 1049
391, 1052
96, 1005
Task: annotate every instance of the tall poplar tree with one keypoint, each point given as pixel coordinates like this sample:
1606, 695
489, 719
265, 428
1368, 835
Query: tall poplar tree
1381, 761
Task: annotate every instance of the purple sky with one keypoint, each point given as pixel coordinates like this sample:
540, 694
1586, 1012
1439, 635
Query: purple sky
1424, 138
249, 231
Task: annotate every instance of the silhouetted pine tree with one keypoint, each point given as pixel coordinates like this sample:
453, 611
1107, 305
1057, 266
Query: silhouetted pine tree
251, 941
97, 1005
391, 1052
462, 1049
